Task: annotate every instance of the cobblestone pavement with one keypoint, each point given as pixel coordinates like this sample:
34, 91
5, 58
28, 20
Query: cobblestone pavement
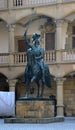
68, 124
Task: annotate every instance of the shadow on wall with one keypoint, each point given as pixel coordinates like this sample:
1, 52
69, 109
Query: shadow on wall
4, 86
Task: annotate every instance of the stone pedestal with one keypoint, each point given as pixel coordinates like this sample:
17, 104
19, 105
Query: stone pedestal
35, 109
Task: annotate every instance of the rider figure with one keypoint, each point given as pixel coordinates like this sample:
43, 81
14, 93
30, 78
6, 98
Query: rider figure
38, 53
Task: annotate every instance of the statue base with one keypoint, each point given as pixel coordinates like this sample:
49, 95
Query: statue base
34, 120
35, 108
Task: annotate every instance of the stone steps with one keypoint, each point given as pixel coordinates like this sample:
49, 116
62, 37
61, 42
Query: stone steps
34, 120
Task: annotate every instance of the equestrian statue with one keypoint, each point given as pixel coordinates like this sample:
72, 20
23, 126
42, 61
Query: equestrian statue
36, 70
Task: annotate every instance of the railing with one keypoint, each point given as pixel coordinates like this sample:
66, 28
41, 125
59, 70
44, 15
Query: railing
3, 4
66, 1
33, 3
17, 2
68, 55
20, 58
50, 57
4, 58
29, 3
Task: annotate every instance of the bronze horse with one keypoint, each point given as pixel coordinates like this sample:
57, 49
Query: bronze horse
28, 75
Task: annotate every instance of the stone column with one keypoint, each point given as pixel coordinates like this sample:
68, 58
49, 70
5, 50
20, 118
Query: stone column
61, 31
11, 38
59, 27
12, 84
60, 106
64, 36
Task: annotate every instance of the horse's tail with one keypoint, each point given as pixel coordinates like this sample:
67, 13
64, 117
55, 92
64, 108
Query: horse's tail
47, 76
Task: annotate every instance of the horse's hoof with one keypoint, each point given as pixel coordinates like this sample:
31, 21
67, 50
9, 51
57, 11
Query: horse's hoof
37, 96
40, 96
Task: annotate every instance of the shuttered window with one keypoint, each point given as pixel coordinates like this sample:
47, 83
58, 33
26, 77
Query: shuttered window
73, 42
21, 46
73, 37
50, 41
73, 30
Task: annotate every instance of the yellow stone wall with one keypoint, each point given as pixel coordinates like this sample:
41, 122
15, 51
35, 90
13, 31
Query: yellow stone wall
69, 97
35, 109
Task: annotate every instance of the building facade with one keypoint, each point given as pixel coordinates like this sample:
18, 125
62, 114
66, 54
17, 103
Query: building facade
55, 21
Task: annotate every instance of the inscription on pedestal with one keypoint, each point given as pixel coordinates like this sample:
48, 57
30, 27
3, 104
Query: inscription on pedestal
34, 109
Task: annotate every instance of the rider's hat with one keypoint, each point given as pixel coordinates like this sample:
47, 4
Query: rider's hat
35, 36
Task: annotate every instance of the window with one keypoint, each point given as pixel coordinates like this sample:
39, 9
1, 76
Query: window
50, 41
73, 42
73, 37
21, 46
73, 30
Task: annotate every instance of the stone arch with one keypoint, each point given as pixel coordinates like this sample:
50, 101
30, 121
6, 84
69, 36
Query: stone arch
67, 8
3, 23
3, 20
68, 72
69, 13
35, 15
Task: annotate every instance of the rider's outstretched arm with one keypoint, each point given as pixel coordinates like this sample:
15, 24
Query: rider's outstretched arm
25, 38
27, 42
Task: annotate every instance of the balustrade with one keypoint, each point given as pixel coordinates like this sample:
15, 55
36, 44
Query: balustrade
17, 2
68, 55
4, 4
65, 1
50, 57
29, 3
20, 58
4, 59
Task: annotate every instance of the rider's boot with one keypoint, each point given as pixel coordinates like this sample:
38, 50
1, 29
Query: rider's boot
43, 76
33, 79
43, 79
